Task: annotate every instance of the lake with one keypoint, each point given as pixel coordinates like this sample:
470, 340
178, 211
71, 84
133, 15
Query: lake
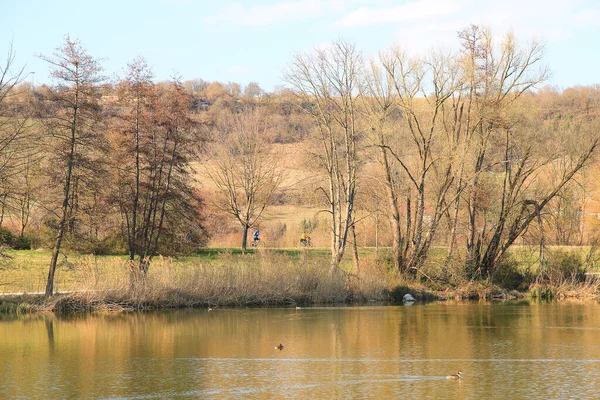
505, 350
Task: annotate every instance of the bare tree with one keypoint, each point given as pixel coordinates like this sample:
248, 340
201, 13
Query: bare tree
382, 113
17, 142
328, 82
244, 169
524, 192
422, 88
10, 76
26, 196
496, 77
71, 119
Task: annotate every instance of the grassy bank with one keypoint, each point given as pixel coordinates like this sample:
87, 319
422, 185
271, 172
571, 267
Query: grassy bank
282, 277
26, 271
221, 277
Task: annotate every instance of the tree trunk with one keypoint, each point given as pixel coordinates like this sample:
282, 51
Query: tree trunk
335, 260
394, 210
136, 196
420, 213
3, 208
454, 222
409, 234
60, 234
376, 234
245, 237
355, 251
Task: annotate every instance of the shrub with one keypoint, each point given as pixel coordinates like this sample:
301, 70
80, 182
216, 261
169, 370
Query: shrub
385, 257
563, 266
6, 237
22, 242
541, 293
507, 275
42, 237
101, 248
112, 244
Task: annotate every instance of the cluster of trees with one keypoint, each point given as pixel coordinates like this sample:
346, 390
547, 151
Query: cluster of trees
468, 155
96, 169
459, 137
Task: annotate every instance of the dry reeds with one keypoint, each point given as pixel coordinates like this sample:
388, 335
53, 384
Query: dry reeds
266, 278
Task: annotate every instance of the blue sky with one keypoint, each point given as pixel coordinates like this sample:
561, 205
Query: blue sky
242, 41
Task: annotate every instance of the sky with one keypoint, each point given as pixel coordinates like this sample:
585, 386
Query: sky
255, 41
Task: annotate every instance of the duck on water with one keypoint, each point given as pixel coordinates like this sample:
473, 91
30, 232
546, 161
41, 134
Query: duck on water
457, 375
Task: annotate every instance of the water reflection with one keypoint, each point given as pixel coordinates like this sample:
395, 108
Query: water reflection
50, 331
505, 350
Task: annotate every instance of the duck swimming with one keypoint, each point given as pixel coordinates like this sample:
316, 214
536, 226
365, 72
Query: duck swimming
457, 375
280, 347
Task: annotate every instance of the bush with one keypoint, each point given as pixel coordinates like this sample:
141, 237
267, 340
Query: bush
563, 266
6, 237
42, 237
22, 243
385, 257
507, 275
113, 244
101, 248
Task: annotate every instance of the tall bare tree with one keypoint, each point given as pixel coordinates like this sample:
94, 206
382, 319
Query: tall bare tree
529, 155
427, 159
71, 118
382, 113
329, 83
496, 76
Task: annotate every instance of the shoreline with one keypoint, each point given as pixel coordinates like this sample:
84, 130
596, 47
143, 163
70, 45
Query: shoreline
268, 279
81, 303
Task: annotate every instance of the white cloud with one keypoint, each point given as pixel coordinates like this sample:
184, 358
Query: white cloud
547, 19
537, 13
238, 14
412, 11
422, 24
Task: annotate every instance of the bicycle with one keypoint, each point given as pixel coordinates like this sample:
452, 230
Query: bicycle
305, 242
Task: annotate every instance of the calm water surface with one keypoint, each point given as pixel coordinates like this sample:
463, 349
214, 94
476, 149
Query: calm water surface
506, 351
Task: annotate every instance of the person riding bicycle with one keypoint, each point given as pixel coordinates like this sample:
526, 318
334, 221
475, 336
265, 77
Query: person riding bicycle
304, 239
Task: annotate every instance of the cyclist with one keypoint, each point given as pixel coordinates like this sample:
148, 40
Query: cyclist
304, 239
